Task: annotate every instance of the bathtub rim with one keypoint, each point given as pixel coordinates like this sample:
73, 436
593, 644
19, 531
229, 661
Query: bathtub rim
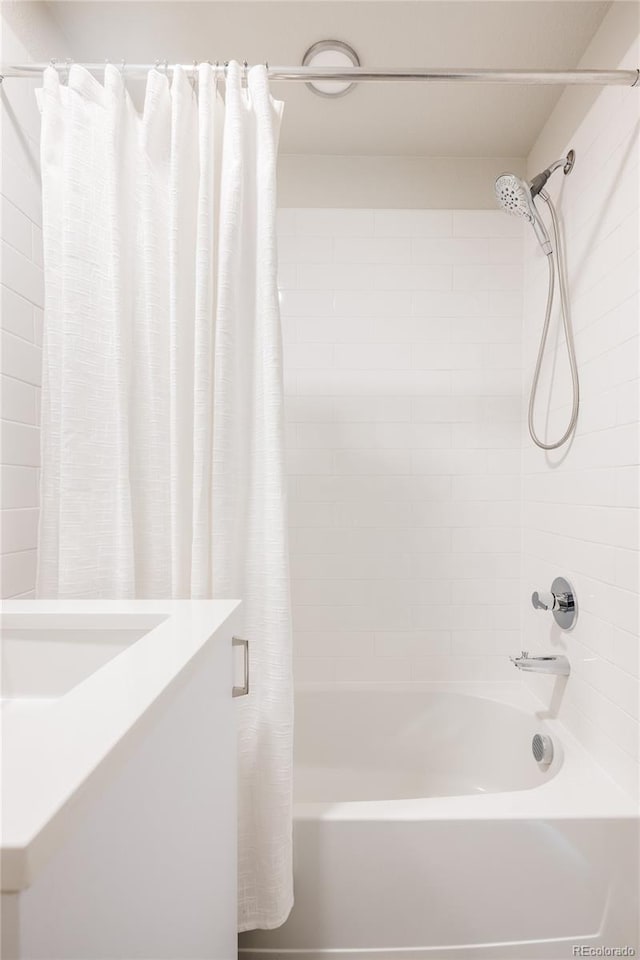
579, 789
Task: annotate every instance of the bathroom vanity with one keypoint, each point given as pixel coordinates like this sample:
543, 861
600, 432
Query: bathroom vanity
119, 780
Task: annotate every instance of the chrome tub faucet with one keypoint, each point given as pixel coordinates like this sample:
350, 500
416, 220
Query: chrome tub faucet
557, 664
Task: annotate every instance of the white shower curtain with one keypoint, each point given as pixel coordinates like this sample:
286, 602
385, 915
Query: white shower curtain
162, 421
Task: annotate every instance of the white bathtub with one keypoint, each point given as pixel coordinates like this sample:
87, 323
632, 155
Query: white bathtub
424, 827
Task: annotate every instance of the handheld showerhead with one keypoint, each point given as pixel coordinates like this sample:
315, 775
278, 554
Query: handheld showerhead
516, 196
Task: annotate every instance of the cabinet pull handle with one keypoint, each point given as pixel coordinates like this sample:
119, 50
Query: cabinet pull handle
244, 689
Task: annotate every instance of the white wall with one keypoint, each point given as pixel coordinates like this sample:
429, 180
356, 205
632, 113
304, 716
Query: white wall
403, 382
27, 34
580, 510
431, 183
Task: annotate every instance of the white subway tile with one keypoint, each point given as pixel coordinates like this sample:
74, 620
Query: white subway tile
371, 250
24, 277
505, 643
485, 223
326, 222
19, 401
413, 644
627, 482
19, 487
286, 222
446, 409
450, 304
310, 513
486, 435
17, 314
387, 409
302, 356
342, 643
374, 513
485, 383
453, 462
292, 249
372, 356
446, 356
483, 277
449, 251
21, 186
336, 276
413, 223
432, 436
310, 462
372, 462
287, 276
369, 303
20, 444
413, 277
485, 330
314, 669
508, 252
19, 529
306, 303
380, 668
462, 668
18, 573
372, 382
505, 303
485, 539
486, 488
16, 228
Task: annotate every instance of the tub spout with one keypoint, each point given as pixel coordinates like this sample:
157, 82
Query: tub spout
546, 664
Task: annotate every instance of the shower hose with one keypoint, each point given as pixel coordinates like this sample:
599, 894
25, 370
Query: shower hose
568, 333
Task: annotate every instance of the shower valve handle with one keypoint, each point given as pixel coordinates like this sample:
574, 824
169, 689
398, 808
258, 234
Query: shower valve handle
560, 600
543, 601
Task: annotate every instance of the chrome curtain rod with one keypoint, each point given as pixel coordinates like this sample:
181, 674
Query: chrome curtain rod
630, 78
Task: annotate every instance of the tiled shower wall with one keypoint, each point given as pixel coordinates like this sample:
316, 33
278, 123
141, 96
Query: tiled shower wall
581, 516
21, 311
403, 397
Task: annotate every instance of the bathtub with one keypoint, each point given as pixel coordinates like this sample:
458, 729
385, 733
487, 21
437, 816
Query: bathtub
424, 827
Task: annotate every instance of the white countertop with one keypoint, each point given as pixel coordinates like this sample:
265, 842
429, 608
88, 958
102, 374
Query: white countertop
53, 749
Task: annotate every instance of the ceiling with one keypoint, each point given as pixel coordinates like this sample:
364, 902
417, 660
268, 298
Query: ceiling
414, 119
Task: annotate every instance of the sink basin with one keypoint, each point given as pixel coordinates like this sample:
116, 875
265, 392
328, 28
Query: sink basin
46, 662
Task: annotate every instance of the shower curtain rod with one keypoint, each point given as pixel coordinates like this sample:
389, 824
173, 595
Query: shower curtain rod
630, 78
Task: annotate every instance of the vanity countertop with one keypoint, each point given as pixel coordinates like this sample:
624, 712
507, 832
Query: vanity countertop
62, 726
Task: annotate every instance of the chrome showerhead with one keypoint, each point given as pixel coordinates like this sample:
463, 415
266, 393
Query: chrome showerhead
514, 195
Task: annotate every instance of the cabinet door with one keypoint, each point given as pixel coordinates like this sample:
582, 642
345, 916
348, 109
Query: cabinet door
150, 869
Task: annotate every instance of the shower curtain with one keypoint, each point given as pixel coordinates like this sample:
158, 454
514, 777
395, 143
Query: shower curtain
162, 419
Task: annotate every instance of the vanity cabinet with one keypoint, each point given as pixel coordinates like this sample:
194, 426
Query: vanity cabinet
143, 862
